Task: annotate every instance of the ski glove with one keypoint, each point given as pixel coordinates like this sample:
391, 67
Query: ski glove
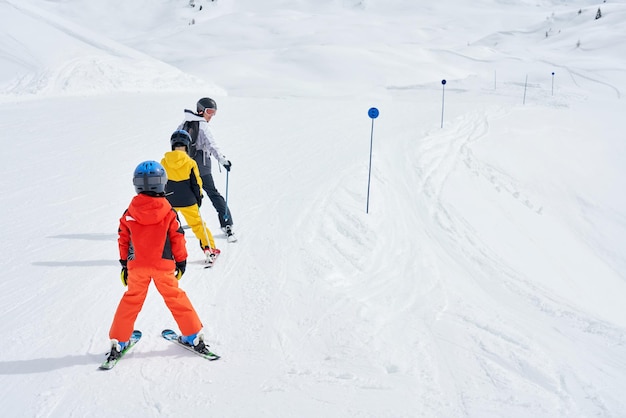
180, 269
200, 200
227, 165
124, 273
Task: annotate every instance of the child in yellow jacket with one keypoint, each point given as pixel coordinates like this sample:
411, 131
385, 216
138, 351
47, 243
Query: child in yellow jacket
184, 190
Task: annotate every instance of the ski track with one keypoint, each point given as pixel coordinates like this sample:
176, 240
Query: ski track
439, 154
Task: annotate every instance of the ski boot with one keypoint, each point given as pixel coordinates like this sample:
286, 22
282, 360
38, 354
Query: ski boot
196, 341
116, 349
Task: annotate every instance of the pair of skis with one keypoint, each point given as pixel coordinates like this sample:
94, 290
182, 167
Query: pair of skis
168, 334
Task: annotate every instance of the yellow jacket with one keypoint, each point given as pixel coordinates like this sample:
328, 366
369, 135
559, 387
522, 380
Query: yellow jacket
184, 185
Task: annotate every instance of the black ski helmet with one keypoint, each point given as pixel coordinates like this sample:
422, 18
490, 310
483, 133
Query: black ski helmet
205, 103
150, 176
180, 137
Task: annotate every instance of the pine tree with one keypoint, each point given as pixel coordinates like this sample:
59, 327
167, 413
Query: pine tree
598, 14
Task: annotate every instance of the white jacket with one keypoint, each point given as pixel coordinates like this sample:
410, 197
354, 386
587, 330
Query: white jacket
205, 141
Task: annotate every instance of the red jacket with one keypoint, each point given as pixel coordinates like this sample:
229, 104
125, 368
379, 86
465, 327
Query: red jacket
150, 234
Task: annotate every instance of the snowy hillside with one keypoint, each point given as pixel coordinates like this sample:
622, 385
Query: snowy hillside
487, 279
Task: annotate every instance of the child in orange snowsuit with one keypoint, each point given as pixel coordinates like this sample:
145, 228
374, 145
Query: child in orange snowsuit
152, 247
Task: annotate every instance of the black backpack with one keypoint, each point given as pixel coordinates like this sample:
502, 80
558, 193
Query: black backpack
192, 128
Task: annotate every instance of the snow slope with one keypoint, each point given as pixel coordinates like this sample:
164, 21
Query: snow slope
487, 279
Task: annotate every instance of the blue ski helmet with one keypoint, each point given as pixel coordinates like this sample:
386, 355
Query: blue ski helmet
150, 176
180, 137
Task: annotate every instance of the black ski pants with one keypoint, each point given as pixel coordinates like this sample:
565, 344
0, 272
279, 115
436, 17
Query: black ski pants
223, 213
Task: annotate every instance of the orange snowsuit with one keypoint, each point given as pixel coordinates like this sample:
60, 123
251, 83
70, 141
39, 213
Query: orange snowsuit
152, 240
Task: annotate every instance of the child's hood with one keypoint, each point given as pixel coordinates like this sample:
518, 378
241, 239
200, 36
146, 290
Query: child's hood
148, 210
176, 159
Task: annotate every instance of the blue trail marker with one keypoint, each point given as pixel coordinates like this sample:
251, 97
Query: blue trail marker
373, 114
443, 96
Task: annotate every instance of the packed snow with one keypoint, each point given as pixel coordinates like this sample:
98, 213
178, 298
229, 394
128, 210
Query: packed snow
484, 277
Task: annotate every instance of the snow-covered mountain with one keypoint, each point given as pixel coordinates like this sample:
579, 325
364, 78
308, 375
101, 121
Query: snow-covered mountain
487, 279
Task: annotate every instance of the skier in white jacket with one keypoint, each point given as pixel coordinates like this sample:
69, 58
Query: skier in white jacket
203, 146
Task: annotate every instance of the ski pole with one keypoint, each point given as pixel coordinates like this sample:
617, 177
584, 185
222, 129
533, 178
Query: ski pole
227, 211
204, 228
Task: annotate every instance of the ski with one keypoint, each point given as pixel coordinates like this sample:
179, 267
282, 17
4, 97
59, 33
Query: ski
109, 364
172, 336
